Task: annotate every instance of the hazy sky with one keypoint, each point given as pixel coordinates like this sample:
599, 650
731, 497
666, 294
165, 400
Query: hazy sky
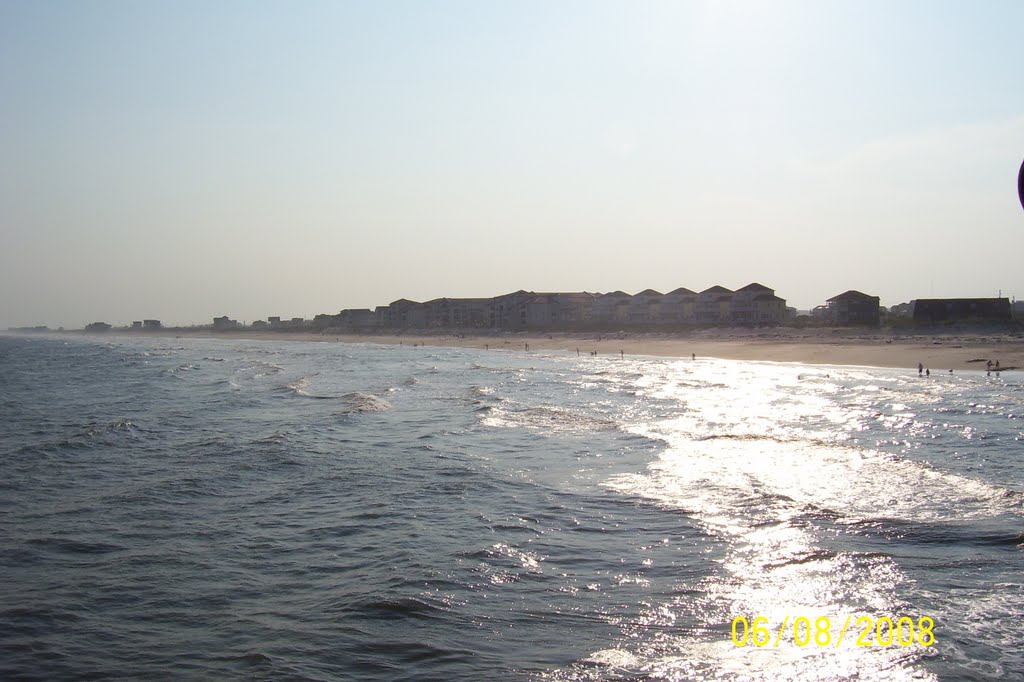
181, 160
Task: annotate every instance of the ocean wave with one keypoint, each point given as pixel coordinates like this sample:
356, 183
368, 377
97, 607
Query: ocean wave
780, 438
365, 402
258, 369
86, 436
399, 608
72, 546
948, 533
546, 418
299, 387
724, 479
182, 368
480, 391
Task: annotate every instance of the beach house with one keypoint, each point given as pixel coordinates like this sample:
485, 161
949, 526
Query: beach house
756, 304
712, 305
853, 308
645, 307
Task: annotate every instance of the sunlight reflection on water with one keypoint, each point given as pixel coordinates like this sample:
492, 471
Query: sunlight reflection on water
753, 458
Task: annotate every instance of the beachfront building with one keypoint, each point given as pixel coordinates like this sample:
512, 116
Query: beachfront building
744, 308
902, 310
357, 318
97, 327
612, 308
541, 312
151, 325
935, 310
402, 314
349, 319
574, 308
645, 307
458, 312
562, 310
510, 309
712, 305
519, 310
756, 304
224, 323
678, 306
853, 308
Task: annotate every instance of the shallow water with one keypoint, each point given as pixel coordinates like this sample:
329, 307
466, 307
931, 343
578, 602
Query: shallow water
262, 510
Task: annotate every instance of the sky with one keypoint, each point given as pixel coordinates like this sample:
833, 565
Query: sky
185, 160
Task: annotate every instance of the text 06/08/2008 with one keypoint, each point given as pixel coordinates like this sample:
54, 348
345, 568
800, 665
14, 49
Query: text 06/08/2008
803, 631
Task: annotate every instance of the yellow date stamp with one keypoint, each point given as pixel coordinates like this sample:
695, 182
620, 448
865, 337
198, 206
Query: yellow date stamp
803, 631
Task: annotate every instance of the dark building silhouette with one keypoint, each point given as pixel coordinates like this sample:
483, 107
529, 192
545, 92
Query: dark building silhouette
933, 310
853, 307
224, 323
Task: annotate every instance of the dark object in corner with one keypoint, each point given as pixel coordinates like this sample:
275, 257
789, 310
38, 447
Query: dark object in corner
1020, 184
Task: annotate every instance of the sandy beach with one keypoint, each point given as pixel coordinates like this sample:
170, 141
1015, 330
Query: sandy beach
936, 352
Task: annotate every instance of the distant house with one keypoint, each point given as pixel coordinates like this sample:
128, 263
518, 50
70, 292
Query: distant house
509, 310
562, 310
853, 308
137, 324
713, 305
518, 310
612, 308
97, 327
902, 310
645, 307
402, 314
934, 310
770, 309
679, 306
756, 304
357, 318
151, 325
324, 321
449, 313
541, 312
438, 312
224, 323
574, 308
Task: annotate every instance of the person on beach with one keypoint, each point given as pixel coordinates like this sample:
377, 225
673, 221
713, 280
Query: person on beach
920, 368
693, 356
622, 353
927, 372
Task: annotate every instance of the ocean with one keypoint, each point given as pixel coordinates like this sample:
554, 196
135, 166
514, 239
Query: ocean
273, 510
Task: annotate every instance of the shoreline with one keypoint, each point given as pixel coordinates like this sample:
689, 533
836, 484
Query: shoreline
826, 346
